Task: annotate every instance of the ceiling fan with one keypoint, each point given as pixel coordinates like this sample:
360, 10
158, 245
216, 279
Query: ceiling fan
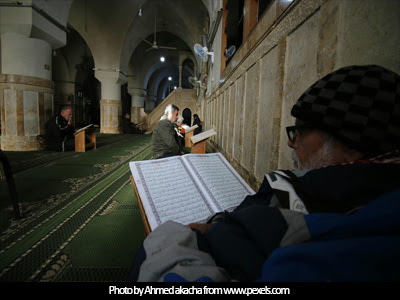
154, 44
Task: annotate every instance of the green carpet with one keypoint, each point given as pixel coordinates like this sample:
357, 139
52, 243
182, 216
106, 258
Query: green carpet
81, 221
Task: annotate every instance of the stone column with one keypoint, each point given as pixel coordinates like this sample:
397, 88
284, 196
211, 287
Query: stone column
137, 107
26, 92
150, 102
110, 103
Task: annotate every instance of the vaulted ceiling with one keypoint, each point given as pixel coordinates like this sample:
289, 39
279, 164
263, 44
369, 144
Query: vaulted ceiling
120, 34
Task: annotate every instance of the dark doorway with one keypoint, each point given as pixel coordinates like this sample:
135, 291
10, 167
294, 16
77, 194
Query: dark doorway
187, 116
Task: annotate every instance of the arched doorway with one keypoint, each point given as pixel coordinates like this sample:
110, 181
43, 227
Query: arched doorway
187, 116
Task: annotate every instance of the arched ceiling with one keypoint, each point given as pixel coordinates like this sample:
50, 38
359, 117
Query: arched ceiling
115, 33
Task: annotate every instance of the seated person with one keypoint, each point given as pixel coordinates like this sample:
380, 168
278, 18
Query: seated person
127, 126
180, 132
180, 125
60, 131
333, 219
165, 139
197, 122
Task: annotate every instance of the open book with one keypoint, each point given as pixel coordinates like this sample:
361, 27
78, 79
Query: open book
187, 189
83, 128
202, 136
190, 129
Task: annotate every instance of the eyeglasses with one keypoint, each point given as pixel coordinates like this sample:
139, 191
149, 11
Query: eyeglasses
292, 133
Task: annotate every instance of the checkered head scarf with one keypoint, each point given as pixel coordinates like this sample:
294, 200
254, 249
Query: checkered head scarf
359, 105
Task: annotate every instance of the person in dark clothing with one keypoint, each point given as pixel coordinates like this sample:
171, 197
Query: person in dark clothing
197, 122
334, 218
165, 139
60, 131
127, 126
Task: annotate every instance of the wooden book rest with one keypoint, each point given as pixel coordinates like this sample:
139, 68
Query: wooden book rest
146, 224
198, 142
188, 134
81, 137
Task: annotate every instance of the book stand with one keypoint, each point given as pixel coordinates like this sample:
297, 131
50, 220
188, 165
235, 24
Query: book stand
198, 141
139, 126
81, 137
146, 224
188, 135
199, 148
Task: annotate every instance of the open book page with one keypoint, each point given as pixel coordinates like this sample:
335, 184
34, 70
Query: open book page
83, 128
189, 188
189, 129
202, 136
169, 192
222, 184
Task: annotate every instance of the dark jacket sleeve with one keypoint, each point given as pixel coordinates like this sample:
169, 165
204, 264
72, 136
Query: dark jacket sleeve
164, 138
68, 131
56, 131
242, 241
169, 137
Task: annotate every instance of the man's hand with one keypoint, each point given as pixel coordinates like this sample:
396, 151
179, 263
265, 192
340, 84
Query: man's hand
200, 227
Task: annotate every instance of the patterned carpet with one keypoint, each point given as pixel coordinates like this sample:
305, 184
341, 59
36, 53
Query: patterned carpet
80, 219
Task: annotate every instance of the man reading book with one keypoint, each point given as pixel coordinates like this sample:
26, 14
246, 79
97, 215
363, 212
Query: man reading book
127, 126
60, 131
333, 219
164, 140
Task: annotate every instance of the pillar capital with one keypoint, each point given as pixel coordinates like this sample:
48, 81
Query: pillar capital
136, 91
110, 76
111, 81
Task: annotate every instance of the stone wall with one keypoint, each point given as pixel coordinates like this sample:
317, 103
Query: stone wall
284, 55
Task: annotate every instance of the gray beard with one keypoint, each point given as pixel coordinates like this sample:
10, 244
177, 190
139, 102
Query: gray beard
322, 158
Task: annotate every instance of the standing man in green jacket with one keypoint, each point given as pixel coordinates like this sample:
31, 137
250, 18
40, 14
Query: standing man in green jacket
164, 139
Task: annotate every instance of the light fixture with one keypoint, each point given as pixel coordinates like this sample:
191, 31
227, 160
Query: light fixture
169, 78
174, 87
162, 58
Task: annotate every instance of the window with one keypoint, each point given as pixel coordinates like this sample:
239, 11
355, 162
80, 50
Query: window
234, 23
239, 18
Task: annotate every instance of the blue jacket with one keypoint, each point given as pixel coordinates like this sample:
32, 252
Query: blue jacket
363, 246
